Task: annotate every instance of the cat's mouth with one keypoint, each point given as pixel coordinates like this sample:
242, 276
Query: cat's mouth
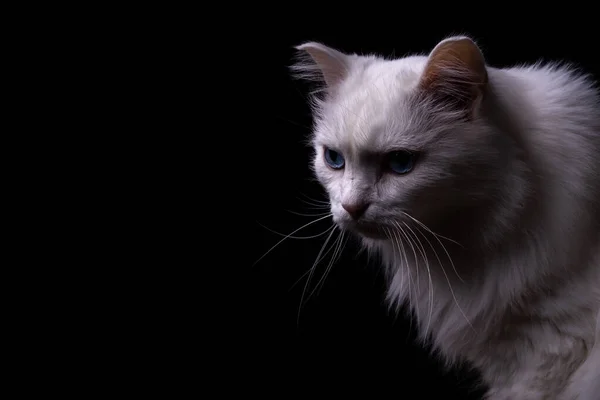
370, 230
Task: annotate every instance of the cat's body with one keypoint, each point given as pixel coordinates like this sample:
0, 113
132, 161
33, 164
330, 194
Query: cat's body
506, 164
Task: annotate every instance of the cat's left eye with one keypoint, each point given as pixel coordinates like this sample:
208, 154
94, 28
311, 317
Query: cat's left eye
401, 161
334, 159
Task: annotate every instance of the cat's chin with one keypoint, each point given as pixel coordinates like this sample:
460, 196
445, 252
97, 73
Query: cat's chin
370, 231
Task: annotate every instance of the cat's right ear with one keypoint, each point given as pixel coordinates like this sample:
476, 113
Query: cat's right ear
317, 62
456, 74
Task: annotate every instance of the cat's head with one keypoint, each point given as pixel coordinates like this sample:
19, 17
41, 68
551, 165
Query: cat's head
398, 140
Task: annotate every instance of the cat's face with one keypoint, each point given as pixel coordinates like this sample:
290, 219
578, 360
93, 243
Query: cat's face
388, 154
381, 161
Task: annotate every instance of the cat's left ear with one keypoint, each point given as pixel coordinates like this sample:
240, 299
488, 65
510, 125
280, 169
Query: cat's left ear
456, 74
322, 63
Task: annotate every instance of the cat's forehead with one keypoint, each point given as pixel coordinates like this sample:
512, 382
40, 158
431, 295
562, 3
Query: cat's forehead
371, 107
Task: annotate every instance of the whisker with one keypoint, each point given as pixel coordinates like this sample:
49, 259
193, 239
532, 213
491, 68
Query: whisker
293, 122
336, 255
405, 268
401, 231
316, 262
430, 294
435, 235
455, 300
449, 283
388, 234
314, 206
296, 237
312, 270
430, 231
442, 268
308, 215
398, 272
310, 200
400, 246
287, 236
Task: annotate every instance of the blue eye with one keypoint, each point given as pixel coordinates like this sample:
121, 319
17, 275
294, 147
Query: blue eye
334, 159
401, 162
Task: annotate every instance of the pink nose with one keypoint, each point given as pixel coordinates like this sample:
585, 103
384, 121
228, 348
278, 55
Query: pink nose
355, 209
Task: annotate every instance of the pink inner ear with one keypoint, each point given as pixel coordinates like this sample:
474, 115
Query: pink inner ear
332, 64
455, 74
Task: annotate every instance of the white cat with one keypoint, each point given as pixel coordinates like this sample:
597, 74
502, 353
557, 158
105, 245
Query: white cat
479, 187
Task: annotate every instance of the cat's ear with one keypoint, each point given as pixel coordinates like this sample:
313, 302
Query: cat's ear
456, 74
318, 62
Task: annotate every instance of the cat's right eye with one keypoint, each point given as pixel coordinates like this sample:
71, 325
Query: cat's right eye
401, 162
334, 159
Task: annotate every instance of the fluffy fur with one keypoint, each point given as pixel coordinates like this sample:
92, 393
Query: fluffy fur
493, 238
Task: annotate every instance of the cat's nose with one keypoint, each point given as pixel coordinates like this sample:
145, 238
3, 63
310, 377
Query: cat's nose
356, 210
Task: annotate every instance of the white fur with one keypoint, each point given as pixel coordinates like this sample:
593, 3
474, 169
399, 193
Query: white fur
518, 187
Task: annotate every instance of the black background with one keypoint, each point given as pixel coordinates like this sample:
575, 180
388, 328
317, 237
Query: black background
343, 335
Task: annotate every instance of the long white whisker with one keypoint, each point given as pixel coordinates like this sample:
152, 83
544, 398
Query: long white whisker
398, 270
296, 237
334, 258
447, 279
314, 202
417, 290
401, 231
316, 207
309, 215
335, 247
455, 300
406, 268
435, 235
318, 260
278, 243
312, 270
430, 231
430, 296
